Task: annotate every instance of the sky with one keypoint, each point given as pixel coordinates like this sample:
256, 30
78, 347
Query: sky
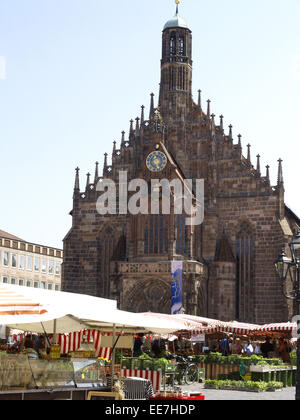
74, 72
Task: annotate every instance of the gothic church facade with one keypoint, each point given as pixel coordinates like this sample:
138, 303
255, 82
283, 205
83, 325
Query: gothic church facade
228, 260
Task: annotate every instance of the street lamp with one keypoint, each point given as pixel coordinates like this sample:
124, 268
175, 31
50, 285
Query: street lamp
289, 269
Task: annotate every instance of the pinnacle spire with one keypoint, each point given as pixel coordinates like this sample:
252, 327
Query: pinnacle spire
96, 173
77, 187
258, 165
268, 173
208, 108
199, 99
142, 114
249, 153
88, 176
280, 181
151, 106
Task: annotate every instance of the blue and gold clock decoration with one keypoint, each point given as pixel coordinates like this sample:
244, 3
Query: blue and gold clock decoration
156, 161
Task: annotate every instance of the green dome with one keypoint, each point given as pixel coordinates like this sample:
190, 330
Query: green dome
176, 22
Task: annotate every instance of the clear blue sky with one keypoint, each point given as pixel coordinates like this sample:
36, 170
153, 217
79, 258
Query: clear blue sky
78, 70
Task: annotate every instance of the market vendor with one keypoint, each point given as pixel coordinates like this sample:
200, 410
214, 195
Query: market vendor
29, 348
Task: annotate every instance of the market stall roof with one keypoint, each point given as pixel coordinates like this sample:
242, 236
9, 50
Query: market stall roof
61, 312
281, 327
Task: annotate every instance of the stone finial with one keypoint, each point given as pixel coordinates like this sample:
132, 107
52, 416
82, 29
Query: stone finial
240, 141
137, 126
280, 181
77, 187
105, 161
123, 139
151, 114
199, 99
131, 127
142, 114
208, 108
230, 130
221, 122
268, 173
96, 173
88, 176
249, 153
258, 165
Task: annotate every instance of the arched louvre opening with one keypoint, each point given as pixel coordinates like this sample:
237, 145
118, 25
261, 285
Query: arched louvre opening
181, 50
245, 273
172, 45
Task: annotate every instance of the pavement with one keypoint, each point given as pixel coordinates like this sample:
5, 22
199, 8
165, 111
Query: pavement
287, 394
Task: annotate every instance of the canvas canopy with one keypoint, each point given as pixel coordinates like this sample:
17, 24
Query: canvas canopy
40, 311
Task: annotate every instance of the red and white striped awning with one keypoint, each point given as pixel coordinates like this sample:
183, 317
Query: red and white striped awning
283, 327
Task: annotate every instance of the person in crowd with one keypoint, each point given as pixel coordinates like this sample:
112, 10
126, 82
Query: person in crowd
248, 349
40, 345
257, 349
29, 348
237, 348
138, 344
267, 347
225, 347
284, 351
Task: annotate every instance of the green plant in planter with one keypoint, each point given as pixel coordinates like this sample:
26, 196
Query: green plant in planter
274, 385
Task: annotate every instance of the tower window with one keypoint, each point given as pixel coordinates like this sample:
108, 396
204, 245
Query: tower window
173, 44
181, 46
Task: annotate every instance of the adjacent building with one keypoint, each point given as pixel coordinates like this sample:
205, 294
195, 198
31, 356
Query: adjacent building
26, 264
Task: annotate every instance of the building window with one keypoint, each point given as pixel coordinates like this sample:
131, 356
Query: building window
43, 285
57, 268
50, 286
44, 265
51, 267
28, 283
36, 284
6, 258
56, 287
37, 263
21, 282
245, 273
5, 279
22, 262
29, 263
13, 280
14, 260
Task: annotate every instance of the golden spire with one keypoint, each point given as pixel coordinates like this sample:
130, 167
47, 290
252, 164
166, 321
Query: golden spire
177, 2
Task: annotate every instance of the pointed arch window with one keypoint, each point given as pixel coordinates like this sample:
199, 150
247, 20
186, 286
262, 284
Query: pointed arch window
245, 273
156, 235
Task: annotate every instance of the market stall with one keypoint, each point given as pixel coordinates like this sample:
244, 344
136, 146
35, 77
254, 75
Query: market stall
54, 313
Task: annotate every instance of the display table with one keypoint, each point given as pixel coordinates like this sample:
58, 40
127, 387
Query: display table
136, 388
183, 398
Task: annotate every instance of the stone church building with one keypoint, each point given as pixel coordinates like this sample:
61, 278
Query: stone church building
228, 260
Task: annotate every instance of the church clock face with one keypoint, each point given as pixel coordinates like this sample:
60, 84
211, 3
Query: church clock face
156, 161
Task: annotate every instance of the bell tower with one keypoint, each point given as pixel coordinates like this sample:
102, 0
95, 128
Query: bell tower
176, 69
